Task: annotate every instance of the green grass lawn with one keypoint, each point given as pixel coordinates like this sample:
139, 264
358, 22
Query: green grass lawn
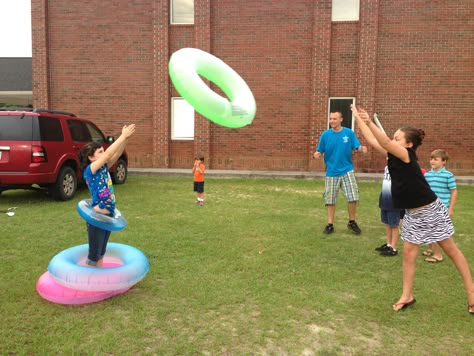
250, 272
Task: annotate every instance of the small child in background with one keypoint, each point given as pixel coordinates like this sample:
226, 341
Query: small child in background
389, 216
443, 183
198, 170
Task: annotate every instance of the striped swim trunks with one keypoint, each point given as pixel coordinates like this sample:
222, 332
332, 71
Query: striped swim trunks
428, 224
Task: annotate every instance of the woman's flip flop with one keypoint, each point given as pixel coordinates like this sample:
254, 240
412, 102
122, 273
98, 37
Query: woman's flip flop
404, 305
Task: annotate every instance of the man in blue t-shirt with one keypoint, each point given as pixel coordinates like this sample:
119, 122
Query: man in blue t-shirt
337, 145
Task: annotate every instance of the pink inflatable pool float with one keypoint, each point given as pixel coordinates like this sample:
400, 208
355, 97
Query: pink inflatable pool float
56, 293
70, 281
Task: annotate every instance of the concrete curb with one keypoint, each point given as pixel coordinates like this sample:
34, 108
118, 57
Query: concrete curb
216, 173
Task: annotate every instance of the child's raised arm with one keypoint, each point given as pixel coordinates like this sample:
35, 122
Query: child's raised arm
114, 151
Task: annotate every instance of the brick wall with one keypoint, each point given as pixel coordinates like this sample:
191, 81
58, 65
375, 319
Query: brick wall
425, 73
413, 64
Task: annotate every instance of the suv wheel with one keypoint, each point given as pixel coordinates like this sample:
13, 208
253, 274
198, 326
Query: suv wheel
66, 184
121, 171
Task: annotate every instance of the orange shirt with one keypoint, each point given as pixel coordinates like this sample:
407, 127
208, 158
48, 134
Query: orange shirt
198, 176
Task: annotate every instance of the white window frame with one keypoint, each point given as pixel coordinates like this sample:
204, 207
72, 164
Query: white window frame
345, 10
180, 12
182, 119
349, 111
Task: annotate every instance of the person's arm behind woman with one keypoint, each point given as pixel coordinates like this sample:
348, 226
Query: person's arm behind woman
358, 114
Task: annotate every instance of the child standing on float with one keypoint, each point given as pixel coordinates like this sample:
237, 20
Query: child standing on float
426, 217
95, 163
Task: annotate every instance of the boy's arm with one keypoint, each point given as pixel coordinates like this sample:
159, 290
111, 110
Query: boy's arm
454, 197
200, 168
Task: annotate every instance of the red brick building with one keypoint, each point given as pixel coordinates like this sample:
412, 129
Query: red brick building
412, 62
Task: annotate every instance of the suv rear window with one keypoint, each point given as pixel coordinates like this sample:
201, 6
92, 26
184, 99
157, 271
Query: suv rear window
17, 128
30, 128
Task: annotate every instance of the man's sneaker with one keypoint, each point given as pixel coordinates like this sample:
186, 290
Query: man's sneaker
390, 252
329, 229
352, 225
382, 248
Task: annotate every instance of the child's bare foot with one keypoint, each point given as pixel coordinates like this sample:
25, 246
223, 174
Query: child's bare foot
428, 252
403, 303
434, 259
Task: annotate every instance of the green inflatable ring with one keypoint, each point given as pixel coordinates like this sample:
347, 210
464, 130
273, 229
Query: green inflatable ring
187, 64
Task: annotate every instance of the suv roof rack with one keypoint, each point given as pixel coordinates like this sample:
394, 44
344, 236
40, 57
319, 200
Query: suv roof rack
54, 112
15, 108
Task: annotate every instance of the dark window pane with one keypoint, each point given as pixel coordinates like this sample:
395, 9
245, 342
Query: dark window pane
95, 134
50, 129
79, 131
344, 106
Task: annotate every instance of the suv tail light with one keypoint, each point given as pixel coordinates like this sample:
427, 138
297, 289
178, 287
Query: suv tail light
38, 154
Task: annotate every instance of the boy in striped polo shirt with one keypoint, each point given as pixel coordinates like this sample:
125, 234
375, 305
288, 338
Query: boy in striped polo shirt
443, 183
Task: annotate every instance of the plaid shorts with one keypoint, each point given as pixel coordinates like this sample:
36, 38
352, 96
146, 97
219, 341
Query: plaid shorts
348, 184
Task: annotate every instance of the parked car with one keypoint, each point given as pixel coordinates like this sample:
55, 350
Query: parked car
39, 149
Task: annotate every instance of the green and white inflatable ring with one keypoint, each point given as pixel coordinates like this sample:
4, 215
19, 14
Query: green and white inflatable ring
187, 64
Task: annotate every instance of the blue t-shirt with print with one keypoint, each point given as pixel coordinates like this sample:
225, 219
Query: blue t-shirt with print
337, 148
101, 188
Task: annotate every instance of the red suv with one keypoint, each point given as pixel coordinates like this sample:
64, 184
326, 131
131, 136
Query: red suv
39, 149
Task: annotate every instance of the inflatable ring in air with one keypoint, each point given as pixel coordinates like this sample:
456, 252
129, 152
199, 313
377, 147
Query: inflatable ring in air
187, 64
66, 269
105, 222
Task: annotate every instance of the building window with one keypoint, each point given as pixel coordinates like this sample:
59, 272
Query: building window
345, 10
182, 12
344, 106
182, 120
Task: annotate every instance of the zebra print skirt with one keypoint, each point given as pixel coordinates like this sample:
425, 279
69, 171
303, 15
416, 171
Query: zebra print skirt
428, 224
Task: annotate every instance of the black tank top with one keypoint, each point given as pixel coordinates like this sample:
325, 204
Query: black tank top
409, 187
